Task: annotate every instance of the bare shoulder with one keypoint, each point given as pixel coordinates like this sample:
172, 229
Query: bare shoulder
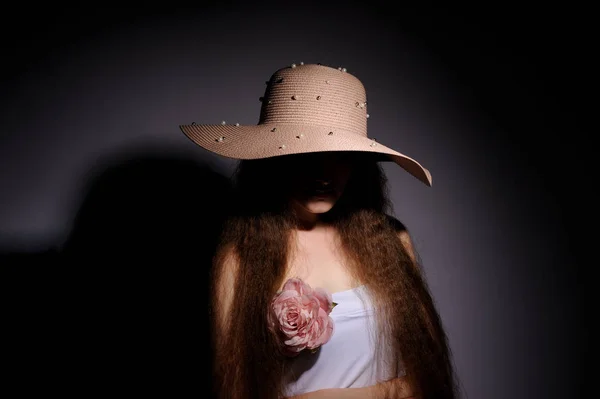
225, 280
403, 235
229, 262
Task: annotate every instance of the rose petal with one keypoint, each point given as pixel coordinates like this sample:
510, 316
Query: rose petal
325, 299
295, 341
302, 315
285, 295
328, 332
298, 285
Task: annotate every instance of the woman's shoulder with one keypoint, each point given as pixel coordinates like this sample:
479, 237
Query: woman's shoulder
395, 223
403, 235
225, 271
226, 264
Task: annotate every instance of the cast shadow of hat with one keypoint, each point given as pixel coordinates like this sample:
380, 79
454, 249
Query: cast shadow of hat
138, 259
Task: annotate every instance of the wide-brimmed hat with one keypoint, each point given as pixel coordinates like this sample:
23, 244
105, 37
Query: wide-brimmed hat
306, 108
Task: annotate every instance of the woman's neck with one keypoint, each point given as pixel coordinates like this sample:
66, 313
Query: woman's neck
306, 220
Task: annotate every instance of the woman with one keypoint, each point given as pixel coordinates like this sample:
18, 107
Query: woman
316, 289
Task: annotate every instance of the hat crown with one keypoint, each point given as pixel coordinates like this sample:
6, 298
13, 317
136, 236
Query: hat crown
317, 95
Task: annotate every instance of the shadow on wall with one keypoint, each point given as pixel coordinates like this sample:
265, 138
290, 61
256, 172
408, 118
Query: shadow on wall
123, 310
150, 208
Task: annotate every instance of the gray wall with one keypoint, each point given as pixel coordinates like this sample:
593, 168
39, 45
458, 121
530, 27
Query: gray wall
467, 97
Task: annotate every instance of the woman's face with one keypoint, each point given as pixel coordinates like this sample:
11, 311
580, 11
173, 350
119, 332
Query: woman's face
318, 180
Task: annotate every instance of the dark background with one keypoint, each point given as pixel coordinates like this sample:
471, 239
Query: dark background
108, 213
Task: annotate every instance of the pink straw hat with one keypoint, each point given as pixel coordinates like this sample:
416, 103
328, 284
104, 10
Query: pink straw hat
306, 108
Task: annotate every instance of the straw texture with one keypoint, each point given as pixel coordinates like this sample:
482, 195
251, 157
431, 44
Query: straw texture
305, 108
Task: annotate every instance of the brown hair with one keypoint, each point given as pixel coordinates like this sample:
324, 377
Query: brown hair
247, 363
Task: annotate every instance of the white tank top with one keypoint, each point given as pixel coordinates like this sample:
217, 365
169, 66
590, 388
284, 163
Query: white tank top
348, 359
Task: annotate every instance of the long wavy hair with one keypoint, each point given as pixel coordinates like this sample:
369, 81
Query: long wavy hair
260, 230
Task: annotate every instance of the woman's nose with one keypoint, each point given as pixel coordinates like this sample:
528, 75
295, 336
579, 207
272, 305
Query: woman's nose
323, 182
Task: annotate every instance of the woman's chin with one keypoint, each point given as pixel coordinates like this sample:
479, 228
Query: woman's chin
319, 205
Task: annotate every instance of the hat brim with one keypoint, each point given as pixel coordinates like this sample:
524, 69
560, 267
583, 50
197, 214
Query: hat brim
269, 140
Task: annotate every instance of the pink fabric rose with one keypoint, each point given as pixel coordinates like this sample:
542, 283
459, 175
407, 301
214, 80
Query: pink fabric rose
300, 317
